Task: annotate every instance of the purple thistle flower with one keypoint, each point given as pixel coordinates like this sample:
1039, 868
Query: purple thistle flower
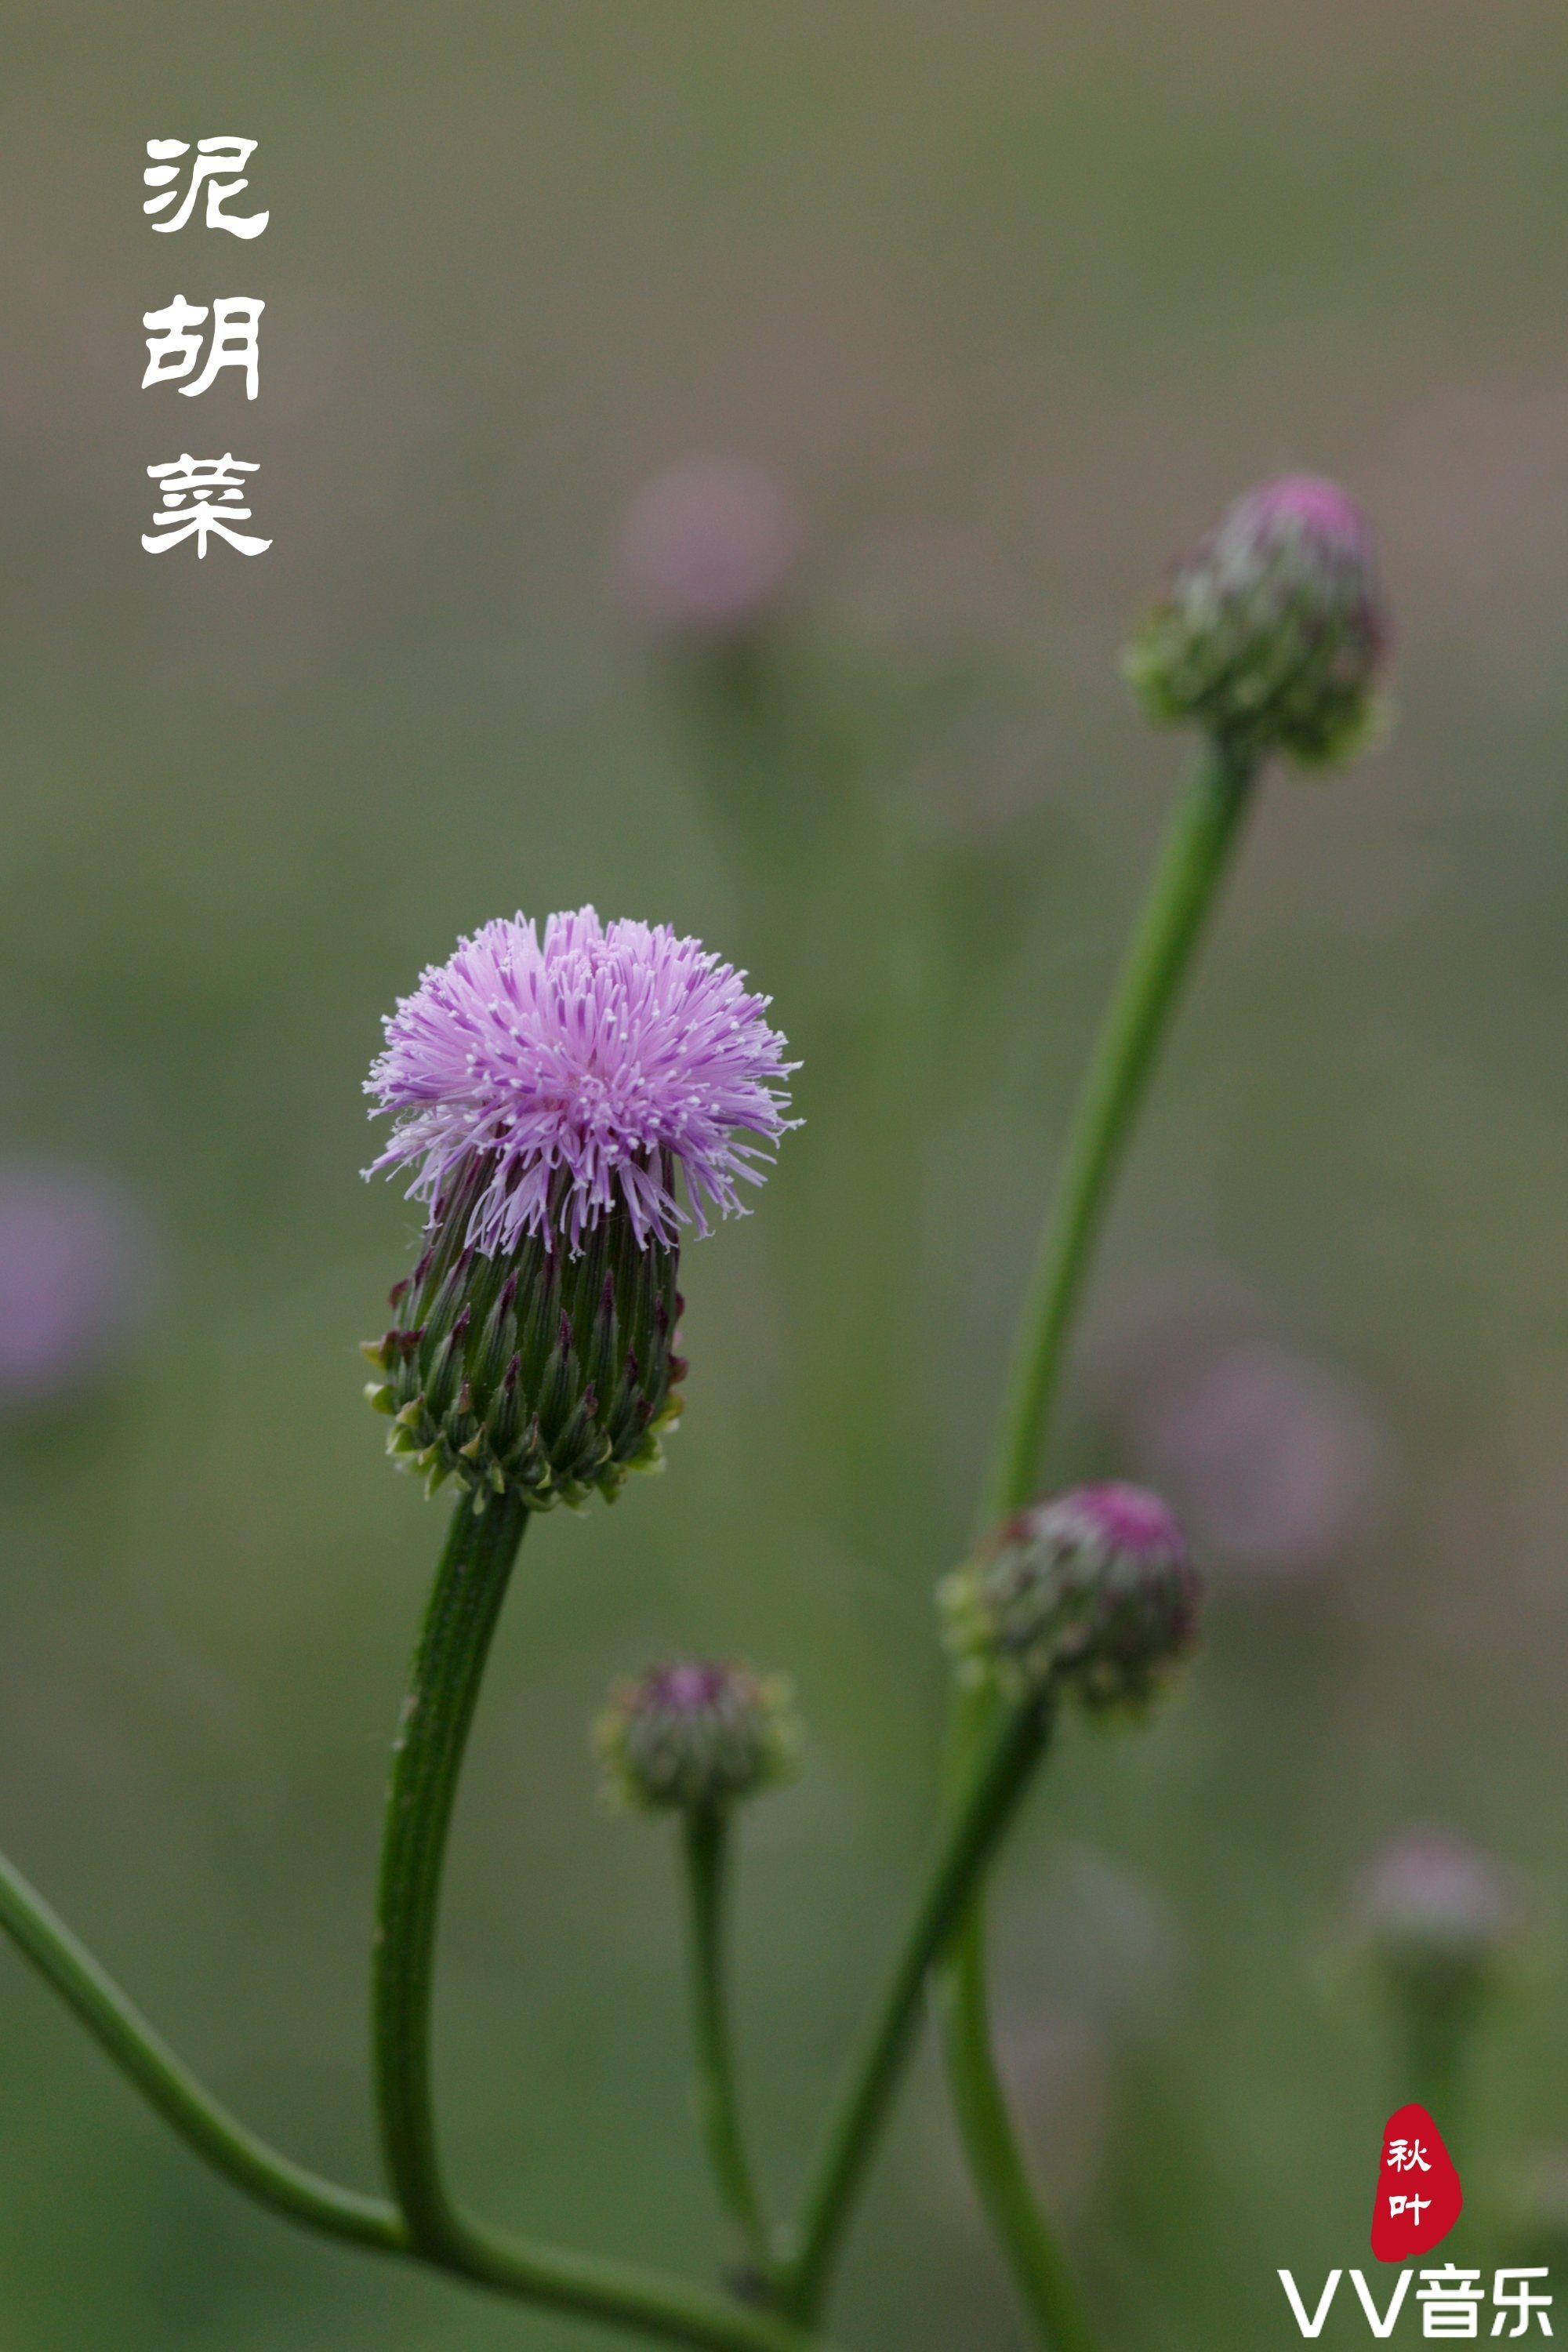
584, 1068
546, 1096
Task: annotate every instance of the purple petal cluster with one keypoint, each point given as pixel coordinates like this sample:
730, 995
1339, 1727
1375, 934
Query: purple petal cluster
586, 1067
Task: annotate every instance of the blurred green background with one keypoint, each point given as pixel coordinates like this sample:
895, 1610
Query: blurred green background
1010, 300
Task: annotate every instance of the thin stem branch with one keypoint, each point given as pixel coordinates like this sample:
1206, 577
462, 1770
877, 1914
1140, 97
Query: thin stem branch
1432, 2037
146, 2060
1001, 2172
972, 1841
705, 1839
621, 2294
1197, 847
1194, 858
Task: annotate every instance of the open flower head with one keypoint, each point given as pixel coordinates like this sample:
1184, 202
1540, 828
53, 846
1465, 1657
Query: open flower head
567, 1104
581, 1066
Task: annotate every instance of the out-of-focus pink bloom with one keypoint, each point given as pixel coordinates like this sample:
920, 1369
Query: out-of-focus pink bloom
1431, 1893
1271, 1460
1060, 2072
708, 551
78, 1275
1100, 1939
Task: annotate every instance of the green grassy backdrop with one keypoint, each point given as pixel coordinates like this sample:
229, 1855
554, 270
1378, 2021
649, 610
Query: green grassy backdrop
1012, 299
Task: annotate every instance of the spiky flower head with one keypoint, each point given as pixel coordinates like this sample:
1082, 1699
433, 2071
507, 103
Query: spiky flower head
1272, 631
555, 1097
584, 1068
695, 1736
1436, 1918
1091, 1593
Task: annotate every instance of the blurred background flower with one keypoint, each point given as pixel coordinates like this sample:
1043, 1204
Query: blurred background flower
1273, 1460
81, 1272
1434, 1926
708, 551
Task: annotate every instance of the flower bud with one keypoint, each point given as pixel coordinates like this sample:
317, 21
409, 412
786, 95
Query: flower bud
1092, 1592
695, 1736
549, 1094
1437, 1920
1272, 631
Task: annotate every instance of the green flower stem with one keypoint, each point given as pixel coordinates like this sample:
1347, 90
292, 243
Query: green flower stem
705, 1835
973, 1838
996, 2160
1432, 2040
169, 2085
459, 1621
470, 1585
448, 1666
1197, 847
581, 2284
618, 2295
994, 2154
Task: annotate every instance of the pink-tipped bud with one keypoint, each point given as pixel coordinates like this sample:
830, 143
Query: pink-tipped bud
1092, 1593
708, 552
1272, 631
695, 1736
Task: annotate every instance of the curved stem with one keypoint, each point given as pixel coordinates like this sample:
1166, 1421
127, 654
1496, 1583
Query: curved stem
614, 2292
972, 1841
169, 2085
621, 2294
1197, 846
1180, 893
995, 2158
448, 1666
705, 1836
